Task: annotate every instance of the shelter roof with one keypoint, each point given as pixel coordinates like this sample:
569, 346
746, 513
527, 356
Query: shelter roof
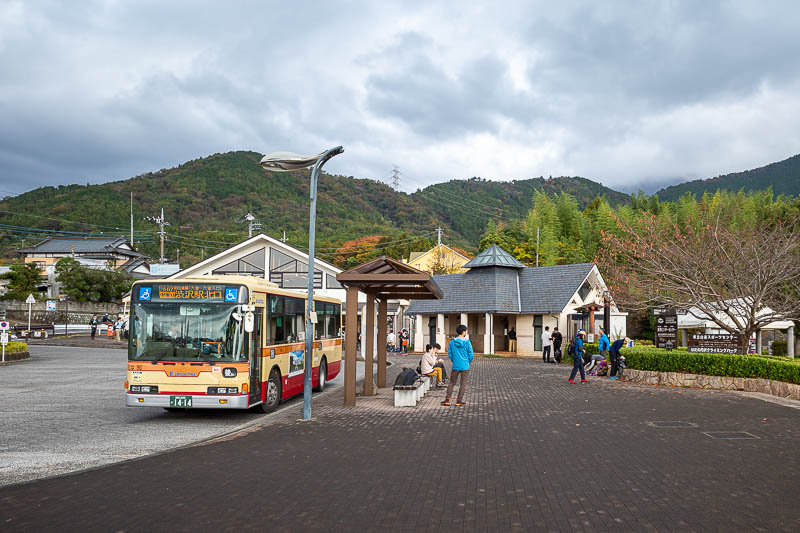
388, 278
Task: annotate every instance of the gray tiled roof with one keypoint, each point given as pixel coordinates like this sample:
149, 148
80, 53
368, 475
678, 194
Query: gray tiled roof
81, 246
494, 290
494, 256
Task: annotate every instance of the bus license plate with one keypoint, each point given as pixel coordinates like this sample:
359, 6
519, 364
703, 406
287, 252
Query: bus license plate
180, 401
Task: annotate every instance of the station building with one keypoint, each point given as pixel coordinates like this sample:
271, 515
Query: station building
497, 293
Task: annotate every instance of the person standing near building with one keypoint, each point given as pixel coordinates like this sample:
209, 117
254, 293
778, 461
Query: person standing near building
577, 358
118, 328
93, 323
547, 342
603, 343
391, 341
558, 339
512, 340
460, 353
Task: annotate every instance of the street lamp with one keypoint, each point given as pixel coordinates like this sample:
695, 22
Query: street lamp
285, 162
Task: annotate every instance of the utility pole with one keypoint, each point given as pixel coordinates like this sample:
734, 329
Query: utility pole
131, 219
283, 240
395, 177
161, 224
252, 224
178, 258
537, 246
439, 243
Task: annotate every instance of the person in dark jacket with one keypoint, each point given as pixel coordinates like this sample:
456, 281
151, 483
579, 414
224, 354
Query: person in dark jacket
93, 323
577, 359
558, 339
614, 354
460, 353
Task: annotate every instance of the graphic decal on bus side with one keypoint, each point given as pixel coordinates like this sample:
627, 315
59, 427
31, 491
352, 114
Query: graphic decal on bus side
296, 362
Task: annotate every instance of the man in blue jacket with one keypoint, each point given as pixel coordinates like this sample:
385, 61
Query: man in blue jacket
604, 343
460, 353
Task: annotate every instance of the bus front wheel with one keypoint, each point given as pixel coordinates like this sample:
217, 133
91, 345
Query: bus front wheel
273, 395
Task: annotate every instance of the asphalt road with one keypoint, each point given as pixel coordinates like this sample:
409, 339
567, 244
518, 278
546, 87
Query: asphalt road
64, 410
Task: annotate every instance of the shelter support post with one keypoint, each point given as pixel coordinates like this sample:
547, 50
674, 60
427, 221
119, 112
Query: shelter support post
591, 322
465, 321
790, 342
441, 333
351, 339
368, 337
419, 333
382, 342
758, 342
488, 335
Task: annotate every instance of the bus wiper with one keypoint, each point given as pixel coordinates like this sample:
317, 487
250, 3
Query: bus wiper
160, 356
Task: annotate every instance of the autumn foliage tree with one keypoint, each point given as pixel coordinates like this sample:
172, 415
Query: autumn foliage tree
737, 268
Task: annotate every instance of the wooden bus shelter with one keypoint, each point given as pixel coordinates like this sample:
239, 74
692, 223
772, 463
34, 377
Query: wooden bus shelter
380, 279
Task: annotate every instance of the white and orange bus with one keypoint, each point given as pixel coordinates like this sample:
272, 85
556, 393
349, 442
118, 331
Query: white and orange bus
225, 342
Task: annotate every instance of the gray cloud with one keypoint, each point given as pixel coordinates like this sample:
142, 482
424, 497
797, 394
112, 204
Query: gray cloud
629, 94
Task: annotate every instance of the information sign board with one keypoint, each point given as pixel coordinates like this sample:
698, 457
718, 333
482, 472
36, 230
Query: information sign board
4, 338
182, 292
714, 343
51, 305
667, 331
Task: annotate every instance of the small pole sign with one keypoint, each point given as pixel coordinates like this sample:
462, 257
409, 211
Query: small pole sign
4, 337
30, 300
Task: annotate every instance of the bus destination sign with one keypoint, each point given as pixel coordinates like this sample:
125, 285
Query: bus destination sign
206, 292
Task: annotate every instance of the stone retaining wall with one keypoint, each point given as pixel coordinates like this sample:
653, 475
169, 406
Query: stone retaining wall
17, 356
700, 381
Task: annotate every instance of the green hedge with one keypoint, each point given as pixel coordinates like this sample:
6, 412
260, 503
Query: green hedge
779, 348
16, 347
739, 366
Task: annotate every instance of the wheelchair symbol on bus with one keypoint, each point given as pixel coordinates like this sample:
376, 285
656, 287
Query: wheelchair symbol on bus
144, 293
231, 295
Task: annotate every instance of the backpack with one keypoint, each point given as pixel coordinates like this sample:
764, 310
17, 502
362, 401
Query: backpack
557, 355
571, 349
419, 367
408, 376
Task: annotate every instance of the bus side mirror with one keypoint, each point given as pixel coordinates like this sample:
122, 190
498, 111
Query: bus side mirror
249, 322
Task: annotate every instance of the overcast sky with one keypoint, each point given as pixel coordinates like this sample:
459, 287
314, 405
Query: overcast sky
630, 94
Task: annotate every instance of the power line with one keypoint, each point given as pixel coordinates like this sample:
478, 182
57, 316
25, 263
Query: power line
451, 203
61, 220
456, 197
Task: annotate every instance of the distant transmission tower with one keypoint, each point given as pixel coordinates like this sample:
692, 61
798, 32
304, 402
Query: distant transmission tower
395, 177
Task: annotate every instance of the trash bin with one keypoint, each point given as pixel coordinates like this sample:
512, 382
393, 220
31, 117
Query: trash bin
110, 332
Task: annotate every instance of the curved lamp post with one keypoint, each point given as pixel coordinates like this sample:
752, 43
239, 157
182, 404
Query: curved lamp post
285, 162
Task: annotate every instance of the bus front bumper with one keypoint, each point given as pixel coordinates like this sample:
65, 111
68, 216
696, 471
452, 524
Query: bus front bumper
199, 401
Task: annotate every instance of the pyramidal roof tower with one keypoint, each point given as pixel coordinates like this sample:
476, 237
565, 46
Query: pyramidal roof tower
494, 256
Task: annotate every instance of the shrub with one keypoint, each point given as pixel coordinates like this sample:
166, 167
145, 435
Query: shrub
740, 366
16, 347
779, 348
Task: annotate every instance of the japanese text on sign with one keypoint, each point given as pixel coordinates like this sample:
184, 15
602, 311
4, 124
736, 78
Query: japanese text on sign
190, 292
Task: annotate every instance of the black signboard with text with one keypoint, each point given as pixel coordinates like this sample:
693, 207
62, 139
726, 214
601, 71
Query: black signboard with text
666, 329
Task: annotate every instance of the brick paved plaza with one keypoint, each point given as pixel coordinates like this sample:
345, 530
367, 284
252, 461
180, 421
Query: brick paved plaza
530, 452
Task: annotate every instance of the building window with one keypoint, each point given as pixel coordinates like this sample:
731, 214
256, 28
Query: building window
331, 283
249, 265
290, 273
584, 291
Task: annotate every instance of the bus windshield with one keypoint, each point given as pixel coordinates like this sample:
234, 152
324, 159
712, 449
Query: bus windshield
211, 332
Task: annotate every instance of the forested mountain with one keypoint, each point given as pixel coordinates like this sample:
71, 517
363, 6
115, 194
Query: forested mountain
204, 201
783, 177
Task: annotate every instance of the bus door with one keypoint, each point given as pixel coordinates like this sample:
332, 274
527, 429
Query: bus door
254, 353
